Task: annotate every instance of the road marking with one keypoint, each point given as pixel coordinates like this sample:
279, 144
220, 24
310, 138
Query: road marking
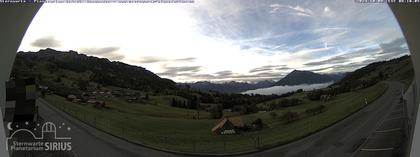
389, 130
397, 111
377, 149
394, 118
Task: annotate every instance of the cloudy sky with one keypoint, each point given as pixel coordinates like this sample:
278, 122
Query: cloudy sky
221, 40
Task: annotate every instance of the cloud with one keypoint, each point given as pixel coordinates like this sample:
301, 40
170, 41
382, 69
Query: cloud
45, 42
294, 10
100, 51
116, 57
266, 68
225, 76
327, 12
284, 67
107, 52
362, 56
284, 89
395, 46
188, 59
321, 69
151, 59
180, 71
245, 47
332, 60
344, 58
224, 73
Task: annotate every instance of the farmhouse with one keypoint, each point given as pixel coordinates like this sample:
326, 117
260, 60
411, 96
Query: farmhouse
228, 125
325, 97
71, 97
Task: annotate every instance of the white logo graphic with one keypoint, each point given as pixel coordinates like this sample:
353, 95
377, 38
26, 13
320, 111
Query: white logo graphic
47, 142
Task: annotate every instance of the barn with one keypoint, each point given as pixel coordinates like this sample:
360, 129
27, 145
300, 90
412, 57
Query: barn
228, 125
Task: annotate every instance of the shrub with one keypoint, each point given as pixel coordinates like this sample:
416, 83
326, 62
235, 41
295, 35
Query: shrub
316, 110
273, 115
289, 116
258, 124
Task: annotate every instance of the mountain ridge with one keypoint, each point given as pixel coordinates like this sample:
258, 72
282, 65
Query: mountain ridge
237, 87
100, 70
297, 77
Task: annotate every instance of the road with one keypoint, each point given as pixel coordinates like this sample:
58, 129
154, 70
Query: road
341, 139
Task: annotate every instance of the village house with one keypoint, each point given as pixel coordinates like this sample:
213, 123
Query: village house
45, 90
97, 103
131, 99
73, 98
228, 125
325, 97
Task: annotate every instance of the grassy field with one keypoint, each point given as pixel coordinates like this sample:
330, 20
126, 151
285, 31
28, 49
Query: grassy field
160, 125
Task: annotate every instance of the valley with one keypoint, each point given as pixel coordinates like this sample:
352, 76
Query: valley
136, 105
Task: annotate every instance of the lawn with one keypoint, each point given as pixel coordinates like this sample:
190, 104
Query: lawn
158, 124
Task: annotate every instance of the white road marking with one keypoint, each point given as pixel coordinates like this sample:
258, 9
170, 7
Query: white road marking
377, 149
389, 130
394, 118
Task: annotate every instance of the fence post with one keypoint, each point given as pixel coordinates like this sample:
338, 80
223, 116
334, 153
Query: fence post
224, 144
193, 144
257, 141
109, 124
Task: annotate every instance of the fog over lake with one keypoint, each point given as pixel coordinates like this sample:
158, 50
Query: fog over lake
284, 89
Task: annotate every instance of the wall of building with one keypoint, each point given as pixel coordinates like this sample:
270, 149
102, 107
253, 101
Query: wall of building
408, 16
15, 19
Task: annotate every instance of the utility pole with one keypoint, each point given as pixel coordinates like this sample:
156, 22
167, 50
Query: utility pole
198, 104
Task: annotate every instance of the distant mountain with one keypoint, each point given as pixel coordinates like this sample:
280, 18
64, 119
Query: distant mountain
72, 66
297, 77
230, 87
337, 76
264, 84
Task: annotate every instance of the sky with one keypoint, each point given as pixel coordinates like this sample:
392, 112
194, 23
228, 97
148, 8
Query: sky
219, 40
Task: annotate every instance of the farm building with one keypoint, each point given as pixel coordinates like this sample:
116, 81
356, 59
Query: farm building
228, 125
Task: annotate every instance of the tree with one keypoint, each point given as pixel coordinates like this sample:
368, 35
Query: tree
58, 79
51, 68
289, 116
258, 124
173, 103
147, 96
82, 84
284, 103
216, 111
314, 95
316, 110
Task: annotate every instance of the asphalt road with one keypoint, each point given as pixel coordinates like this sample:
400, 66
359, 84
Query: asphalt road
341, 139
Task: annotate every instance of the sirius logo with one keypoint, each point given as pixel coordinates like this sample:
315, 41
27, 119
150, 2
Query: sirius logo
23, 139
